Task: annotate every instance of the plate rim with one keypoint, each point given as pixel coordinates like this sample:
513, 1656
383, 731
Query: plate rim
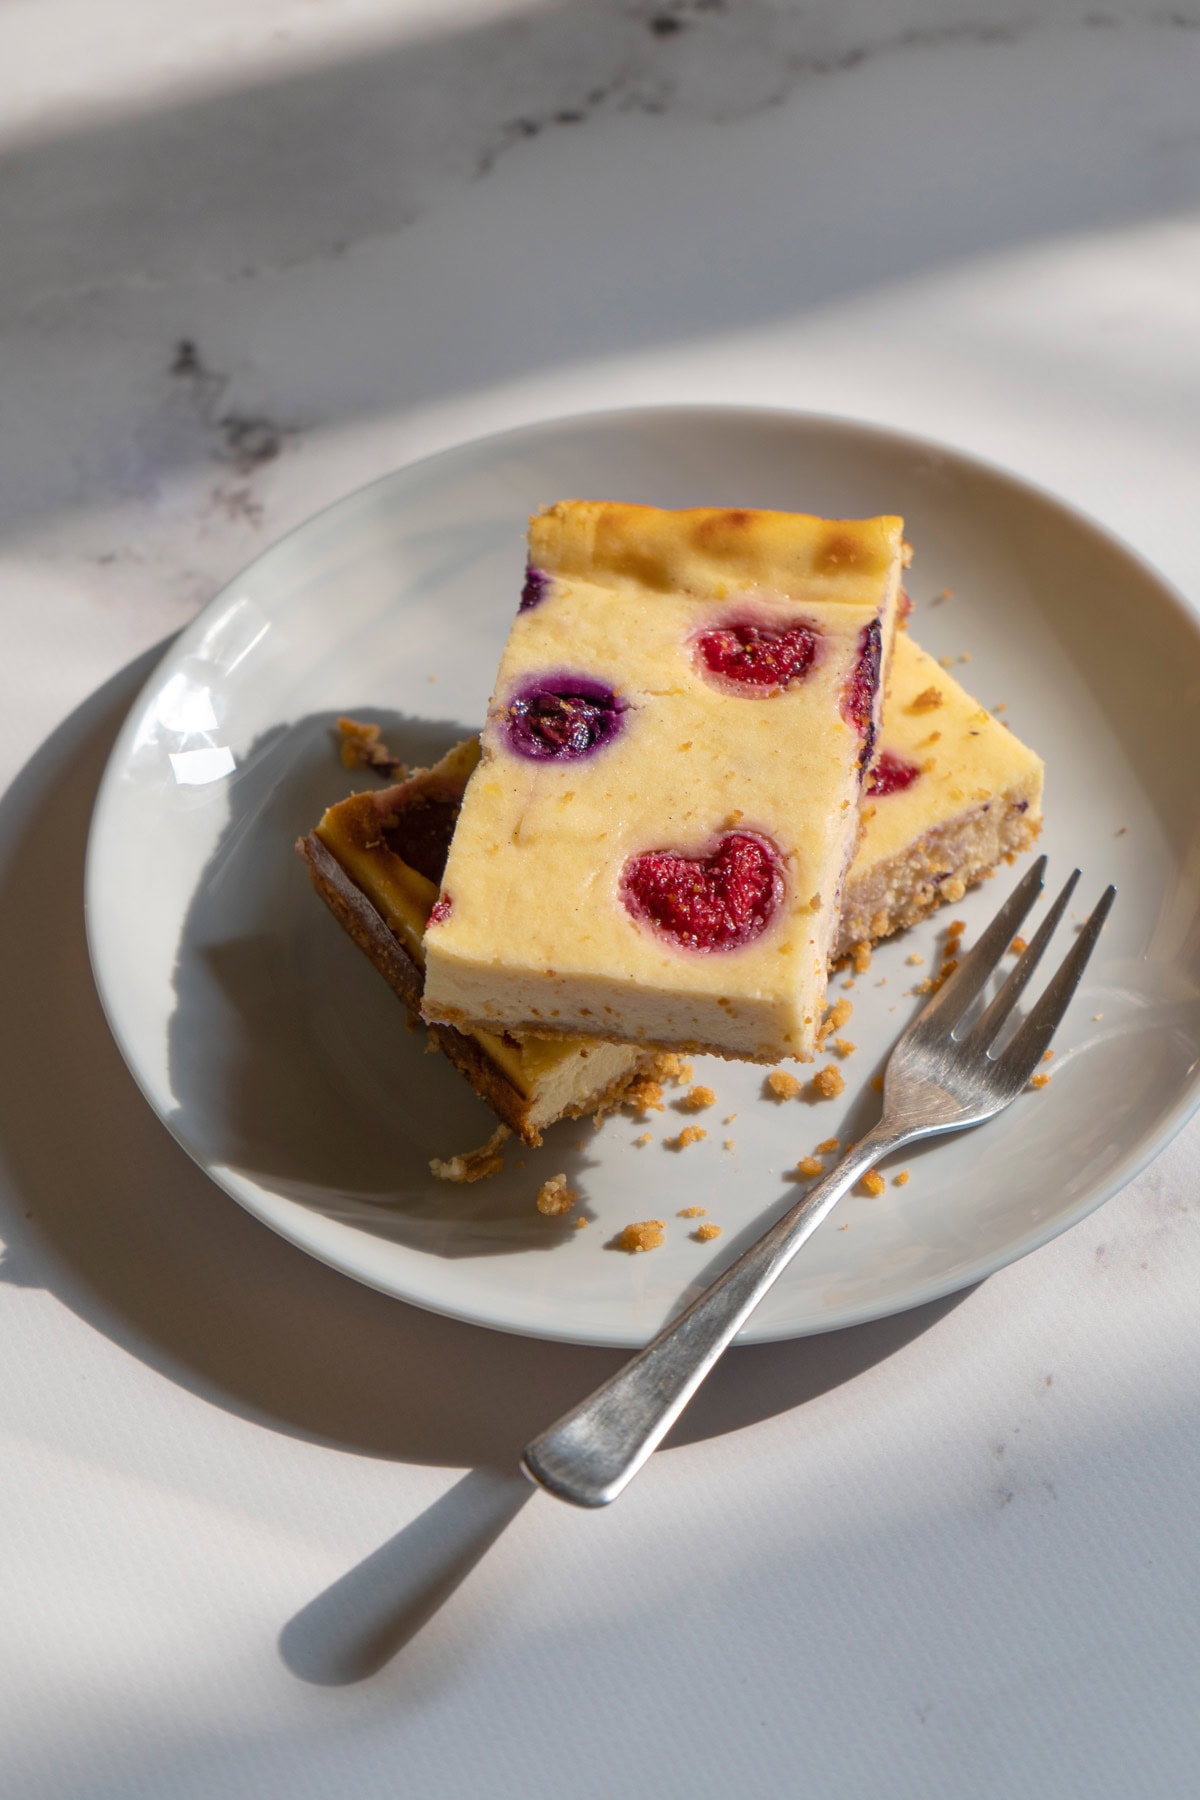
276, 1211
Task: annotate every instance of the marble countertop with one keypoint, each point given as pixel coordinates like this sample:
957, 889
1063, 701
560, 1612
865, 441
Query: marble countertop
258, 1537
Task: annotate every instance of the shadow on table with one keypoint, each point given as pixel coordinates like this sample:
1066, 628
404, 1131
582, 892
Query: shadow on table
105, 1210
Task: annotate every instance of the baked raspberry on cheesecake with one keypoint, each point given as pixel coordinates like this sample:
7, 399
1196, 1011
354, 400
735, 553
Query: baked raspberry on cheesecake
652, 849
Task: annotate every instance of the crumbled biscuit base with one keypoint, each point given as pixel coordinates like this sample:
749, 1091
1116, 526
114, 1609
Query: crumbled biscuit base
691, 1134
704, 1234
648, 1234
872, 1184
1039, 1081
914, 959
900, 1180
827, 1083
728, 1144
844, 1047
555, 1197
669, 1067
581, 1224
808, 1166
782, 1085
644, 1095
645, 1138
698, 1099
1018, 947
363, 748
827, 1147
834, 1019
861, 956
473, 1165
692, 1212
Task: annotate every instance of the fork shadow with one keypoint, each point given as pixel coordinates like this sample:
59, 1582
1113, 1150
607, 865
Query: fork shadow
114, 1219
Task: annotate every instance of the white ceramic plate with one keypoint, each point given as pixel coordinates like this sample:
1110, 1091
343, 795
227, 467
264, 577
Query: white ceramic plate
281, 1061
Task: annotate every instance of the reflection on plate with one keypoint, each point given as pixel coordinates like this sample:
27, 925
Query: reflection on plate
282, 1062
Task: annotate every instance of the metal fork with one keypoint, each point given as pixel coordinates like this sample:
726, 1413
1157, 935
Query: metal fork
935, 1081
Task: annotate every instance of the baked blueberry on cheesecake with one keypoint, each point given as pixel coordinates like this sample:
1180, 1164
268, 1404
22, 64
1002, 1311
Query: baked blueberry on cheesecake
652, 849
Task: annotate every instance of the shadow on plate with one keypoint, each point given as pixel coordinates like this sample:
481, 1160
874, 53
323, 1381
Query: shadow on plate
103, 1208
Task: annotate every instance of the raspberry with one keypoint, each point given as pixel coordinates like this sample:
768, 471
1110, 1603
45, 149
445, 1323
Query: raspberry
537, 586
440, 910
716, 902
858, 696
758, 656
562, 717
891, 774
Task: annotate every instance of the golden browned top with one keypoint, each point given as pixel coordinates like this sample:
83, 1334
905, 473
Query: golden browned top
709, 550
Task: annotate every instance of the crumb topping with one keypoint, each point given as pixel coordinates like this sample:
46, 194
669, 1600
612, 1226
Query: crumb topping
644, 1138
555, 1197
1039, 1081
808, 1166
644, 1095
692, 1212
872, 1184
844, 1047
827, 1146
928, 700
900, 1180
705, 1233
783, 1085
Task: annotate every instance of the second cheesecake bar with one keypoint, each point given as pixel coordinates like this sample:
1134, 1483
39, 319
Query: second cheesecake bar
653, 846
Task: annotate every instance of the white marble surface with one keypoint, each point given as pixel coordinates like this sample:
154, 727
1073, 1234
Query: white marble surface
952, 1555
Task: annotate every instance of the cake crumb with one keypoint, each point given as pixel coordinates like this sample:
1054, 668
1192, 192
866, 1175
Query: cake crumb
914, 959
705, 1233
670, 1067
555, 1197
692, 1212
646, 1234
1049, 1054
728, 1144
698, 1099
827, 1083
827, 1146
808, 1166
581, 1224
1039, 1081
643, 1138
928, 700
844, 1047
691, 1134
783, 1085
862, 957
473, 1165
946, 662
363, 748
645, 1095
1018, 947
900, 1180
729, 1118
872, 1183
837, 1016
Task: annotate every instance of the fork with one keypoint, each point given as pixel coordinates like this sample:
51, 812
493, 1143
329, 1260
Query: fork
935, 1081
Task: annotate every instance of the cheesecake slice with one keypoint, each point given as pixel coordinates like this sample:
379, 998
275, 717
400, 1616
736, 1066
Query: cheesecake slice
952, 793
377, 860
652, 849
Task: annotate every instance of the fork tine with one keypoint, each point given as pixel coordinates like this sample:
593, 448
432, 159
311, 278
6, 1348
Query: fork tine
1022, 1056
984, 1030
956, 994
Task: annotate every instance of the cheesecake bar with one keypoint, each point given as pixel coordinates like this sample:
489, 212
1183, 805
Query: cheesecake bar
653, 846
952, 792
376, 860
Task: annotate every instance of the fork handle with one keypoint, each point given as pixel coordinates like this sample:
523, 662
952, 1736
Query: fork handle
589, 1454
